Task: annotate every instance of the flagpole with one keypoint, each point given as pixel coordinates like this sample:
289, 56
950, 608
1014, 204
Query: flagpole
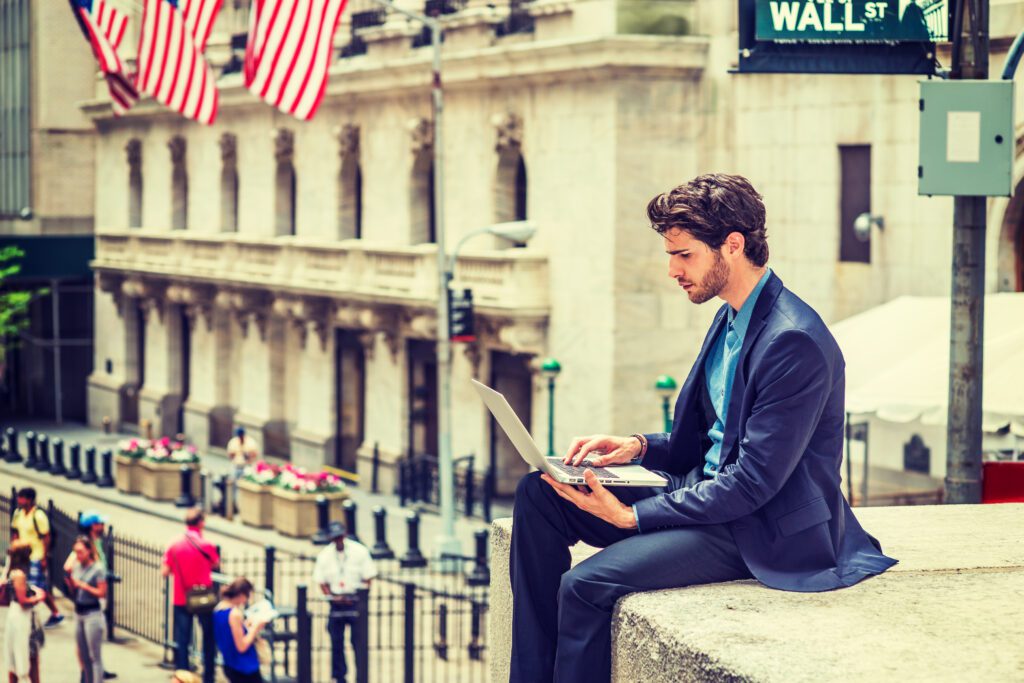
446, 543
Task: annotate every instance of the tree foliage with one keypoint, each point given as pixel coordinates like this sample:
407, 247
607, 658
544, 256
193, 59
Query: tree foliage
13, 303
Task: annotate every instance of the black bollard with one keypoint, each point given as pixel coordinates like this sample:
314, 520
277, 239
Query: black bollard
221, 484
476, 648
186, 499
323, 519
89, 476
12, 445
106, 479
43, 463
441, 644
349, 506
57, 468
413, 557
381, 550
33, 450
75, 467
480, 575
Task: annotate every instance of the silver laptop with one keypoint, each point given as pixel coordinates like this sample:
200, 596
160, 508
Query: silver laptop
613, 475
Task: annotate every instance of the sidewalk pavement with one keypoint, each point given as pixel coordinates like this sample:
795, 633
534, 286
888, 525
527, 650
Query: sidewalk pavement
160, 521
134, 661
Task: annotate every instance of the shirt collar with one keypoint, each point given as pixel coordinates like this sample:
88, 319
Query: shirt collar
741, 321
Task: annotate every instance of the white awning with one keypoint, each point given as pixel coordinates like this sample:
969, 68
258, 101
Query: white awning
897, 361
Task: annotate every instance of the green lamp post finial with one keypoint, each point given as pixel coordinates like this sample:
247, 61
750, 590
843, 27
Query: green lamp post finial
666, 387
550, 368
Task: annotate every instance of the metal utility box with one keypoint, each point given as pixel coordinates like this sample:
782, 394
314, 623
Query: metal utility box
966, 138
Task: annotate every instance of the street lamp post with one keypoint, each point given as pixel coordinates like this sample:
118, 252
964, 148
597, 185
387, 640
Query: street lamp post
518, 231
665, 385
550, 369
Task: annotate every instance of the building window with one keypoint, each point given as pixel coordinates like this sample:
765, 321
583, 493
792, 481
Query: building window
228, 183
424, 228
350, 185
284, 184
855, 199
134, 151
15, 110
179, 184
510, 192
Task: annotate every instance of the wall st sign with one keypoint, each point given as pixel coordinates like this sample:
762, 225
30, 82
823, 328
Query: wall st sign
894, 21
841, 36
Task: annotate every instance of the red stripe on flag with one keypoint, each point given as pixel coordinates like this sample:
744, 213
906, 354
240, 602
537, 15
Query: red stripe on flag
166, 51
297, 98
297, 52
277, 53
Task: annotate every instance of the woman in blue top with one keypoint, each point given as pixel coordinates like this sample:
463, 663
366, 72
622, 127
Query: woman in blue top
235, 636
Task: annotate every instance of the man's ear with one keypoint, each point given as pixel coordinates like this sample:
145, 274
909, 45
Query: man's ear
735, 243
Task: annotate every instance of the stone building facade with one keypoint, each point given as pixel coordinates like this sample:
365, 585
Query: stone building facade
281, 275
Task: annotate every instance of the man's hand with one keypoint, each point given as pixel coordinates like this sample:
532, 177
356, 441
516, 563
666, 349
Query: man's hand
599, 502
610, 450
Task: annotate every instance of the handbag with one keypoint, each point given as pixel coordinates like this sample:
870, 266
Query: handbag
199, 600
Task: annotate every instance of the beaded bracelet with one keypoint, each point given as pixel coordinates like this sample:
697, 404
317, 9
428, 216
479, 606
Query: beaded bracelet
643, 446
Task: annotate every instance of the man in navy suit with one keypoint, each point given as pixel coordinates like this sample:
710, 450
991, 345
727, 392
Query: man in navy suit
753, 459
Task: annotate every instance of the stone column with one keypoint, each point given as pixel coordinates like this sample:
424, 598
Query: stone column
159, 397
253, 371
313, 439
109, 373
202, 376
387, 406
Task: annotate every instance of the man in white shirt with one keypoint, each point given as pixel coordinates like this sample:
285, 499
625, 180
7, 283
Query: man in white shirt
342, 568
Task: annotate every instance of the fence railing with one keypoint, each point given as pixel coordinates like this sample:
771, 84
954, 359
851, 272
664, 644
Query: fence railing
418, 482
423, 621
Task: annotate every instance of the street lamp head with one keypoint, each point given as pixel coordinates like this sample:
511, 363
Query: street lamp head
514, 231
550, 368
665, 385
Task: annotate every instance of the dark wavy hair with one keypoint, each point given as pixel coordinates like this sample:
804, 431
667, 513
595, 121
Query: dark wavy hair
711, 206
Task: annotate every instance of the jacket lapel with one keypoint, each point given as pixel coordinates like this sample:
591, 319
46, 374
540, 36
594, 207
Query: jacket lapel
686, 394
764, 305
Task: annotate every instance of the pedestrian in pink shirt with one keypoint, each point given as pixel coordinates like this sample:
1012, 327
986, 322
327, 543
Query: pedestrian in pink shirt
191, 560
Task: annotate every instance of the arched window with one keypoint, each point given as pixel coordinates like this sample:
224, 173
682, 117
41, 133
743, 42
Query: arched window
350, 184
421, 210
284, 184
134, 153
179, 184
350, 212
228, 183
510, 187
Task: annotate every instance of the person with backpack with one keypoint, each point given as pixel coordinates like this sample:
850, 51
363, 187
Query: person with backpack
31, 524
191, 560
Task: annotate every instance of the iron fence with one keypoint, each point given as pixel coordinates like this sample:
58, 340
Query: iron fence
418, 482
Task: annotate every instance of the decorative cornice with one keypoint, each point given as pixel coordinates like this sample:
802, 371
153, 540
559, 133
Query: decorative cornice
177, 147
133, 151
347, 136
284, 145
509, 128
228, 149
421, 132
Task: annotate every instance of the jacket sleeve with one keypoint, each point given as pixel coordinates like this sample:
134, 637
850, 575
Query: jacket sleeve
792, 381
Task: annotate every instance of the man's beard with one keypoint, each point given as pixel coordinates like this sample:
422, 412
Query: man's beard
713, 282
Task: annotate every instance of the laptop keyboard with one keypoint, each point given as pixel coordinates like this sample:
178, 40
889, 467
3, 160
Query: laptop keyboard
601, 472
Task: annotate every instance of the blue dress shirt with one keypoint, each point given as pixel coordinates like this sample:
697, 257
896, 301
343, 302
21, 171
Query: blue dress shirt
720, 368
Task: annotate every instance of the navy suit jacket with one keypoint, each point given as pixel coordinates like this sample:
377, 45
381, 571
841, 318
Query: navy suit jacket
778, 487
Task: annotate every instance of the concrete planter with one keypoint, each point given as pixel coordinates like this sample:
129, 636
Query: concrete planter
295, 513
162, 481
256, 504
126, 474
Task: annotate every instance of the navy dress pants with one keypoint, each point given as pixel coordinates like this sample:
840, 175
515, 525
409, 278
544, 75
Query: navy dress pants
561, 617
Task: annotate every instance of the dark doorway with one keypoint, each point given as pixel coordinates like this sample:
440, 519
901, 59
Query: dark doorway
510, 375
350, 398
422, 398
186, 361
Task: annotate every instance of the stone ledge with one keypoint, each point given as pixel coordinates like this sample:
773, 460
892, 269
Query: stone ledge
952, 609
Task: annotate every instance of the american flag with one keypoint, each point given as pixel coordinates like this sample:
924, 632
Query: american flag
288, 52
103, 26
171, 65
